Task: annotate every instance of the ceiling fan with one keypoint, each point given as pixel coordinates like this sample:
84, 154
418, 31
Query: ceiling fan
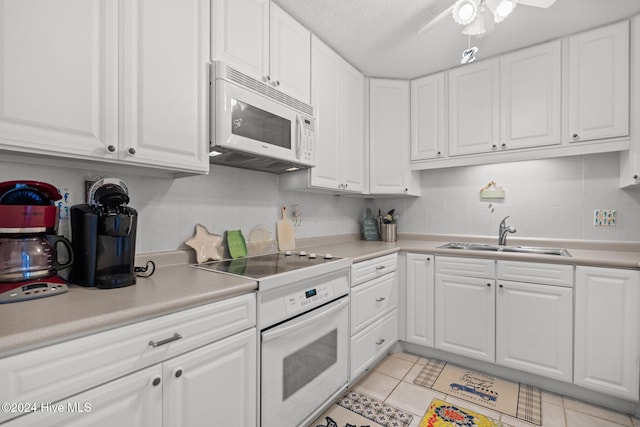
479, 17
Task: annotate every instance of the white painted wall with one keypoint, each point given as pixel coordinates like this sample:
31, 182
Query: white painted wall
552, 198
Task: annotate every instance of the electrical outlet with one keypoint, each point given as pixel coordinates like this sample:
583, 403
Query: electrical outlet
605, 217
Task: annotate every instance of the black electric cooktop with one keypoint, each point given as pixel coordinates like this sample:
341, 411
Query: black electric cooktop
260, 266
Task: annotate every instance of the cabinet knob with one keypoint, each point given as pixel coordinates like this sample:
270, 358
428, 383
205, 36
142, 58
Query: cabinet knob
501, 286
406, 190
504, 145
428, 258
277, 83
346, 185
132, 151
266, 79
494, 147
439, 153
635, 176
178, 373
156, 381
111, 148
575, 136
488, 285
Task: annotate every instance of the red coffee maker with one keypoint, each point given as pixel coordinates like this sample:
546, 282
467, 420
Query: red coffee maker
29, 247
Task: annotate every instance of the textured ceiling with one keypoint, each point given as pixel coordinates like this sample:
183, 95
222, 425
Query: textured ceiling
379, 37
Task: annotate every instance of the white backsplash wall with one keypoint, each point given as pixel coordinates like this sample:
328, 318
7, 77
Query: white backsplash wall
553, 198
226, 199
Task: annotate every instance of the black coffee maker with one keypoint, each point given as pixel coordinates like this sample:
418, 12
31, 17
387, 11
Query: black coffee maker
103, 235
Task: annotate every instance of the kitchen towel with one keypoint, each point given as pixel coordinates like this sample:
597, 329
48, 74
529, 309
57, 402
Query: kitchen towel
517, 400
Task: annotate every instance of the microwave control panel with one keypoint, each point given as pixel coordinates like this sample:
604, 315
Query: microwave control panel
306, 144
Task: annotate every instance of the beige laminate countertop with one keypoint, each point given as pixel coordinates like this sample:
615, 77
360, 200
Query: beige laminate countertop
177, 286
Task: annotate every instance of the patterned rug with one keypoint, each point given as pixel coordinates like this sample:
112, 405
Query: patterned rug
517, 400
359, 410
444, 414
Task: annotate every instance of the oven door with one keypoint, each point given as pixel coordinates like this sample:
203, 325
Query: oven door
304, 362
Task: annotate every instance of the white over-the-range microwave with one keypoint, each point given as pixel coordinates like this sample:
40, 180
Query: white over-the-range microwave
254, 126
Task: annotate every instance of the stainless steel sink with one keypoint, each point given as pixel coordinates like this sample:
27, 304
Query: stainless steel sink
497, 248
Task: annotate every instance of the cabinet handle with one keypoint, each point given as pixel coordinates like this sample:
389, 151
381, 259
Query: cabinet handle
175, 337
380, 267
380, 341
488, 285
156, 381
132, 151
346, 185
501, 286
635, 176
380, 299
178, 373
111, 148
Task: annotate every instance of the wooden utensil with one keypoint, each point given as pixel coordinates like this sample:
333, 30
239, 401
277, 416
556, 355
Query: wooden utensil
286, 238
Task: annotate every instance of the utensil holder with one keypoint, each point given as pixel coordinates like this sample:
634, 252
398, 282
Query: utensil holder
389, 233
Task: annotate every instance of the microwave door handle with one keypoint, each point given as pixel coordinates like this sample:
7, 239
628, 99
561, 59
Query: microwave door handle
298, 137
293, 325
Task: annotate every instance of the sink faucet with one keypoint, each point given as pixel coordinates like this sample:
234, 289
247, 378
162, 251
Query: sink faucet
504, 229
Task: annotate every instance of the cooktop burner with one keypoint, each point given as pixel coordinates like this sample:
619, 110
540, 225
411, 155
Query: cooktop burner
260, 266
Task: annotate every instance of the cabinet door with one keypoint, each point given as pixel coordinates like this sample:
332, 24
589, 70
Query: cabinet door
607, 335
428, 117
420, 299
290, 55
241, 35
214, 385
134, 400
325, 84
465, 316
599, 83
530, 97
352, 95
474, 108
165, 83
389, 137
534, 328
59, 85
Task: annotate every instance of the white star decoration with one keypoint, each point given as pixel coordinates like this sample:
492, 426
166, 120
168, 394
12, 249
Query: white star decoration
205, 244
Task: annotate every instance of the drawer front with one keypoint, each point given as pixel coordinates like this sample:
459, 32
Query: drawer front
533, 272
373, 342
57, 371
468, 267
367, 270
372, 299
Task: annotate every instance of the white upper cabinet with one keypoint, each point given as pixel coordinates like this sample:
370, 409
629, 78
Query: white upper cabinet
339, 145
59, 86
630, 160
262, 40
530, 97
241, 35
474, 108
106, 81
599, 83
389, 163
165, 82
428, 117
290, 61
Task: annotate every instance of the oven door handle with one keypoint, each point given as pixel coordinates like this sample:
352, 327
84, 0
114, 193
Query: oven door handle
298, 324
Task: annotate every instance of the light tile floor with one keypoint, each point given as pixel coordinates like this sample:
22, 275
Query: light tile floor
392, 382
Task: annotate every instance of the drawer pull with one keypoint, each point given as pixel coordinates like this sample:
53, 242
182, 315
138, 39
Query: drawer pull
380, 299
380, 341
380, 267
156, 381
155, 344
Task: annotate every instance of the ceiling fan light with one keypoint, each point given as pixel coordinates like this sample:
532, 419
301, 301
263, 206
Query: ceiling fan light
464, 11
501, 8
481, 25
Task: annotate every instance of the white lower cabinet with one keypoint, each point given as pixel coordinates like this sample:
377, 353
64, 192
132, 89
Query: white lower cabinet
607, 332
374, 311
534, 328
465, 316
420, 303
191, 368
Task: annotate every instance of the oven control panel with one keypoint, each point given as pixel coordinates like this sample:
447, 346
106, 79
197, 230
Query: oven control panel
308, 298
